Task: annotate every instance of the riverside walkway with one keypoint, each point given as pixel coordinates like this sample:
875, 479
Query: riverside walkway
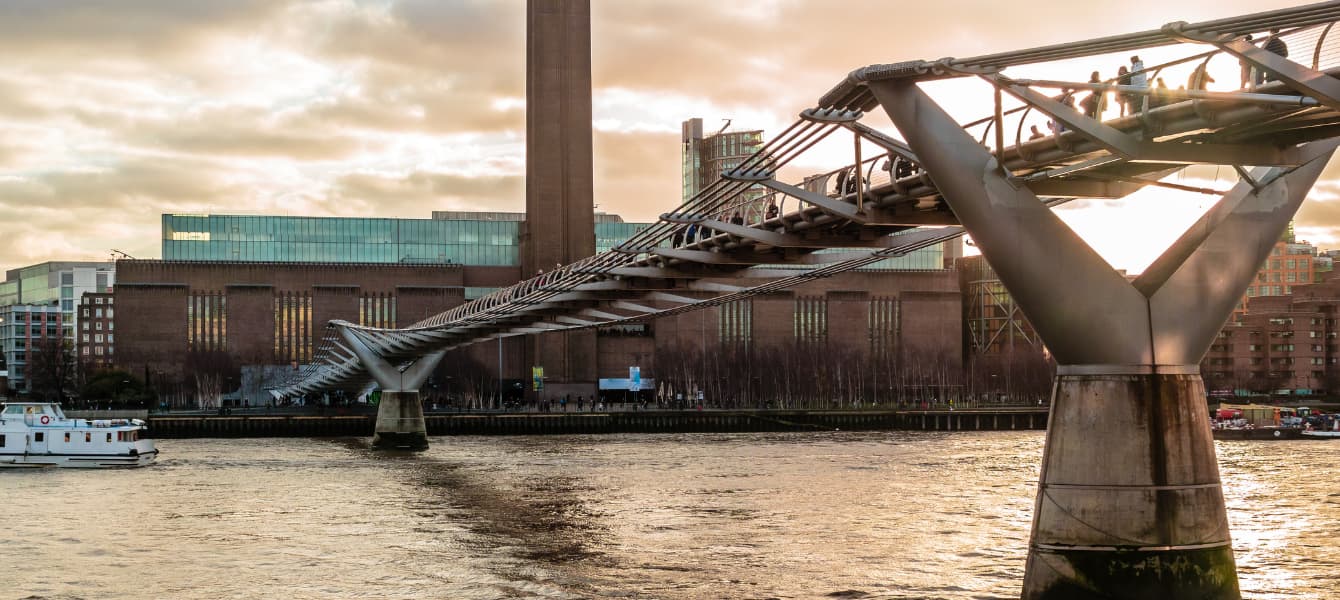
261, 424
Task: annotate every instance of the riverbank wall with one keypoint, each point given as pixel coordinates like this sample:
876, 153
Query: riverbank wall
654, 421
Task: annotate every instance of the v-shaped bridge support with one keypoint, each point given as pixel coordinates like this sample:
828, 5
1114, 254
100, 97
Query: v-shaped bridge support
400, 422
1129, 477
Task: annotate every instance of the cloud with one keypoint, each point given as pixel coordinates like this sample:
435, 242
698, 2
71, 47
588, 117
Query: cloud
117, 111
423, 192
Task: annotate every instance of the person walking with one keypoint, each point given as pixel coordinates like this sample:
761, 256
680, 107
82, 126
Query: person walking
1199, 78
1274, 44
1093, 103
1247, 78
1125, 100
1139, 79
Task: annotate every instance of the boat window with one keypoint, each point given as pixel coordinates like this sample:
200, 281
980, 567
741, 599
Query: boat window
39, 436
2, 440
14, 410
109, 438
67, 437
88, 437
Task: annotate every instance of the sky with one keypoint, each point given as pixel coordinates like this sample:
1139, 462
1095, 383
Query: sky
116, 112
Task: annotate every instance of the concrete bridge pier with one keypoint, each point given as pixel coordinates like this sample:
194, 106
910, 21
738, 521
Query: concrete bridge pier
1130, 504
400, 423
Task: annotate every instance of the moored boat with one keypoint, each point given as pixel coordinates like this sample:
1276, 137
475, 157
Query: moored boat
38, 434
1257, 433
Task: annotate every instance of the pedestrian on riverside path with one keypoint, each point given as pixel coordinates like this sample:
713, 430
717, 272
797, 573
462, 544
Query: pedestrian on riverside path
563, 402
580, 401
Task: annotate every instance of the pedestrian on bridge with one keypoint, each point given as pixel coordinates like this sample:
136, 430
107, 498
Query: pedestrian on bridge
1126, 100
1275, 44
1093, 103
1199, 78
1138, 78
1248, 78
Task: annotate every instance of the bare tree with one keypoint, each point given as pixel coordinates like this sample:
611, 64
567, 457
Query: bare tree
51, 369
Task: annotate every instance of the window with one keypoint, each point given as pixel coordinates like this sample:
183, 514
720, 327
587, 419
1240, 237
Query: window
98, 313
2, 440
1290, 264
97, 300
88, 437
85, 325
98, 338
85, 350
109, 437
109, 338
85, 313
97, 350
98, 325
67, 437
39, 437
85, 339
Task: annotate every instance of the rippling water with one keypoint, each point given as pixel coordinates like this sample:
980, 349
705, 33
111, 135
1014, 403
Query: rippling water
837, 515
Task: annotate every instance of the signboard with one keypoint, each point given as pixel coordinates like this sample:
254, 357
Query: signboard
634, 378
619, 383
537, 378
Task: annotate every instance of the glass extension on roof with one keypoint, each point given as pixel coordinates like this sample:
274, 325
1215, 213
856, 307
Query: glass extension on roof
339, 239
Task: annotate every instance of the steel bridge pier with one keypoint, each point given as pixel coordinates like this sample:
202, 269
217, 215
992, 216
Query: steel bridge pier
1130, 503
400, 422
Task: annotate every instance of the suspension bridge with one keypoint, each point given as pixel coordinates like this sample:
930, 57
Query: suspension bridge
1130, 503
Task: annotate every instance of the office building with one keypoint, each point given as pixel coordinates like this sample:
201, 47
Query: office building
706, 157
28, 332
95, 335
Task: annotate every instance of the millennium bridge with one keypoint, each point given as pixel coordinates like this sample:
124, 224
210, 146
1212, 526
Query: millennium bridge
1130, 503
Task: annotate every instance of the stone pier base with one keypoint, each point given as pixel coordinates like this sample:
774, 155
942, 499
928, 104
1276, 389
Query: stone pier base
400, 423
1129, 505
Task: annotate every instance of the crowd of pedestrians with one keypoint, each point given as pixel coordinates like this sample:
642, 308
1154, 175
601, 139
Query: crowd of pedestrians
1134, 79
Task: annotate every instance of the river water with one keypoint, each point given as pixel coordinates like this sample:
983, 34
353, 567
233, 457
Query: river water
809, 515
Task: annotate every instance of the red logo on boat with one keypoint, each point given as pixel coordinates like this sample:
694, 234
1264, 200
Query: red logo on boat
45, 419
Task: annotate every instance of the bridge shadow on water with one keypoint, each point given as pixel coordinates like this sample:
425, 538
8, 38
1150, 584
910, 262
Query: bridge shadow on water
539, 519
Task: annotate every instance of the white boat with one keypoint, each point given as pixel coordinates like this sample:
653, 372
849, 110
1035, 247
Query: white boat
38, 434
1322, 433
